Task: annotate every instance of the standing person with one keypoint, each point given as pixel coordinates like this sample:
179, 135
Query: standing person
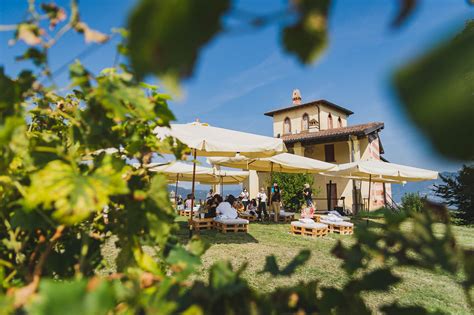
210, 194
276, 200
308, 195
245, 197
262, 203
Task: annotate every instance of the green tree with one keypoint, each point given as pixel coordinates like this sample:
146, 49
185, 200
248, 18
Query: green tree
413, 202
292, 186
458, 192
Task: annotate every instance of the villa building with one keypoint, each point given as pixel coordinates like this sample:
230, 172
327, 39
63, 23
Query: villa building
320, 130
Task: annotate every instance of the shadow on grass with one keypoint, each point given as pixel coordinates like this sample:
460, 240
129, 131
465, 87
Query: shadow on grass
365, 223
214, 237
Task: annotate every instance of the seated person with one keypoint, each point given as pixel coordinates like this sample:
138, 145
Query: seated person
211, 206
239, 206
225, 209
252, 207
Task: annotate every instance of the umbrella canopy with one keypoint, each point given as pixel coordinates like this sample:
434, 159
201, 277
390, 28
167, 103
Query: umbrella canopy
179, 171
213, 141
284, 163
383, 171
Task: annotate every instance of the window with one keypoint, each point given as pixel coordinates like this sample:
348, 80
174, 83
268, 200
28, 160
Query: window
305, 122
330, 126
287, 126
329, 153
339, 122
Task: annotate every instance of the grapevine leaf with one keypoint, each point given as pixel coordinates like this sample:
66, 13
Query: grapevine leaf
73, 194
166, 36
308, 38
35, 55
437, 90
29, 33
76, 297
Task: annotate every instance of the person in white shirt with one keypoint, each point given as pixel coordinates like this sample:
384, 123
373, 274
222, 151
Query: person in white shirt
244, 195
262, 203
210, 194
225, 209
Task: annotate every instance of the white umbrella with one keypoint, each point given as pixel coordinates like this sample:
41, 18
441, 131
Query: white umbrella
213, 141
379, 171
180, 171
283, 163
384, 170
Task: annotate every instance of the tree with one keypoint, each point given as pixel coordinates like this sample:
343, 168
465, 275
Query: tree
458, 192
292, 186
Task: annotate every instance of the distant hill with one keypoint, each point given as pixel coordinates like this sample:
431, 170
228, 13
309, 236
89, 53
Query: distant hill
423, 188
201, 192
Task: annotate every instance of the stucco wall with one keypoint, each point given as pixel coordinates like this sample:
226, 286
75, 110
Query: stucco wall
296, 118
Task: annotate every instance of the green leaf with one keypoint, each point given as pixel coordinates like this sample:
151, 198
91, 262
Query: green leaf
76, 297
35, 55
437, 92
72, 193
308, 38
121, 99
272, 267
166, 36
79, 76
182, 262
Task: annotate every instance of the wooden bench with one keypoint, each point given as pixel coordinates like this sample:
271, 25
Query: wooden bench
249, 217
202, 224
232, 225
184, 213
343, 228
286, 217
309, 229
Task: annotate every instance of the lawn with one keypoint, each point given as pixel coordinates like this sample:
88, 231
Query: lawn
433, 290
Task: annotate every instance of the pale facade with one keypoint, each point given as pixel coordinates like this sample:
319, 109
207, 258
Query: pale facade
320, 130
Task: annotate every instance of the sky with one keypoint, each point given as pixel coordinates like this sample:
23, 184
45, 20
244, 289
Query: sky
242, 74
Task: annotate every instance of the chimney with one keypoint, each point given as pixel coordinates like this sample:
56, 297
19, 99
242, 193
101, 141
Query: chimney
296, 97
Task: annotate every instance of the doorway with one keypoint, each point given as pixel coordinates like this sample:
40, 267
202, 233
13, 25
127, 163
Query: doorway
331, 190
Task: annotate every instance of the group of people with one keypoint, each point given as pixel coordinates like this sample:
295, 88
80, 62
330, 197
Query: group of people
231, 206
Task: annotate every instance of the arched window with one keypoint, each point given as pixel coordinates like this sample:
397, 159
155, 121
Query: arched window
330, 126
287, 126
305, 122
339, 122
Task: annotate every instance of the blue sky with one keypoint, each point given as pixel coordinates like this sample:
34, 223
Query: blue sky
242, 75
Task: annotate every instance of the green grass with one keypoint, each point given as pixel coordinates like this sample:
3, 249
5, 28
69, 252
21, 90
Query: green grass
436, 291
432, 290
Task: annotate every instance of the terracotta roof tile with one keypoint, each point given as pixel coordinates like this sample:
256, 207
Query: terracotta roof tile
335, 133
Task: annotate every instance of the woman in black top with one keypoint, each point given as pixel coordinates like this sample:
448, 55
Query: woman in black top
308, 195
275, 201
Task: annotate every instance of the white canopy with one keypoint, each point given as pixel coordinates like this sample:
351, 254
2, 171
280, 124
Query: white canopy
284, 163
213, 141
383, 171
180, 171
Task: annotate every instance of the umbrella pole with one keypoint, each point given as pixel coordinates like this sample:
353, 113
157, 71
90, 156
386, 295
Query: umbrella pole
368, 205
370, 188
192, 195
222, 188
176, 192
